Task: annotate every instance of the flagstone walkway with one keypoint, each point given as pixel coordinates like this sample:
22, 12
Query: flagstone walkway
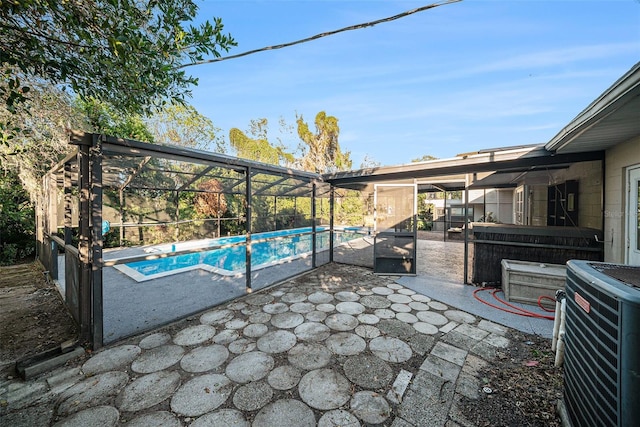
338, 346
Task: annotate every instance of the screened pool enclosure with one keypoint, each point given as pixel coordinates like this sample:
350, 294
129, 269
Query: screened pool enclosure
138, 235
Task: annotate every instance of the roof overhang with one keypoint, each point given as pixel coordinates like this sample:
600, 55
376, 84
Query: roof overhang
507, 162
614, 117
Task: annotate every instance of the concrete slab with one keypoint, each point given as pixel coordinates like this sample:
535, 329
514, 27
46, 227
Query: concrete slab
399, 386
110, 359
368, 319
350, 307
406, 317
396, 328
227, 336
288, 320
347, 296
390, 349
400, 307
399, 298
327, 308
312, 331
492, 327
370, 407
338, 417
427, 401
275, 308
341, 322
155, 419
252, 396
285, 412
91, 392
368, 372
194, 335
157, 359
425, 328
375, 301
201, 395
472, 331
324, 389
242, 345
320, 297
148, 391
221, 418
460, 316
302, 307
449, 353
203, 359
285, 377
255, 330
99, 416
248, 367
345, 344
154, 340
277, 341
367, 331
216, 317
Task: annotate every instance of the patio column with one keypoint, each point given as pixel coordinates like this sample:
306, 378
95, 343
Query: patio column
444, 216
84, 220
248, 228
313, 224
332, 196
466, 229
96, 242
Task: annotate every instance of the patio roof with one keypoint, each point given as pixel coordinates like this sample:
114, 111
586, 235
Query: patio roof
129, 164
612, 118
503, 165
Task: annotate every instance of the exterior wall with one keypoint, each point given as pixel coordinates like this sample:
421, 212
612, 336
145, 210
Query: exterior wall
589, 177
617, 160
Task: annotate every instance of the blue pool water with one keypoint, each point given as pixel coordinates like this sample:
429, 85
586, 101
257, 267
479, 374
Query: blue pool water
232, 259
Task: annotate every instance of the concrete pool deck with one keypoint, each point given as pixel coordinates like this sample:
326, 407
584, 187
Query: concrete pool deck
334, 346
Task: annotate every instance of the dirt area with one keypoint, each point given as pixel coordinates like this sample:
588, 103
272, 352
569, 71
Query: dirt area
523, 386
32, 314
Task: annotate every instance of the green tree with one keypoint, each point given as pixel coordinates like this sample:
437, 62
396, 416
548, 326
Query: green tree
103, 118
46, 118
425, 212
183, 125
17, 220
424, 158
368, 163
258, 148
321, 152
125, 53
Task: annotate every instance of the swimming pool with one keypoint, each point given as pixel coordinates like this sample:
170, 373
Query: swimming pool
227, 255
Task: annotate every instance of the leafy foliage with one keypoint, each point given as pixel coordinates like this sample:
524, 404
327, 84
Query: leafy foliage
126, 53
44, 119
210, 203
104, 118
183, 125
17, 220
322, 152
258, 148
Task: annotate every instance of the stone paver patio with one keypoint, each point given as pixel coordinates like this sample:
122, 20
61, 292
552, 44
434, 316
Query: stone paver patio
336, 346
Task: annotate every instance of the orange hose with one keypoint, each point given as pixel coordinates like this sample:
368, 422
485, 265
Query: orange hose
517, 310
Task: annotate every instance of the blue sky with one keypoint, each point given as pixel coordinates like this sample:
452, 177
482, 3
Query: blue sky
454, 79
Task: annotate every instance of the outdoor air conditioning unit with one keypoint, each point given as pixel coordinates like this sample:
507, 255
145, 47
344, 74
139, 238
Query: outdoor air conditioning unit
602, 344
